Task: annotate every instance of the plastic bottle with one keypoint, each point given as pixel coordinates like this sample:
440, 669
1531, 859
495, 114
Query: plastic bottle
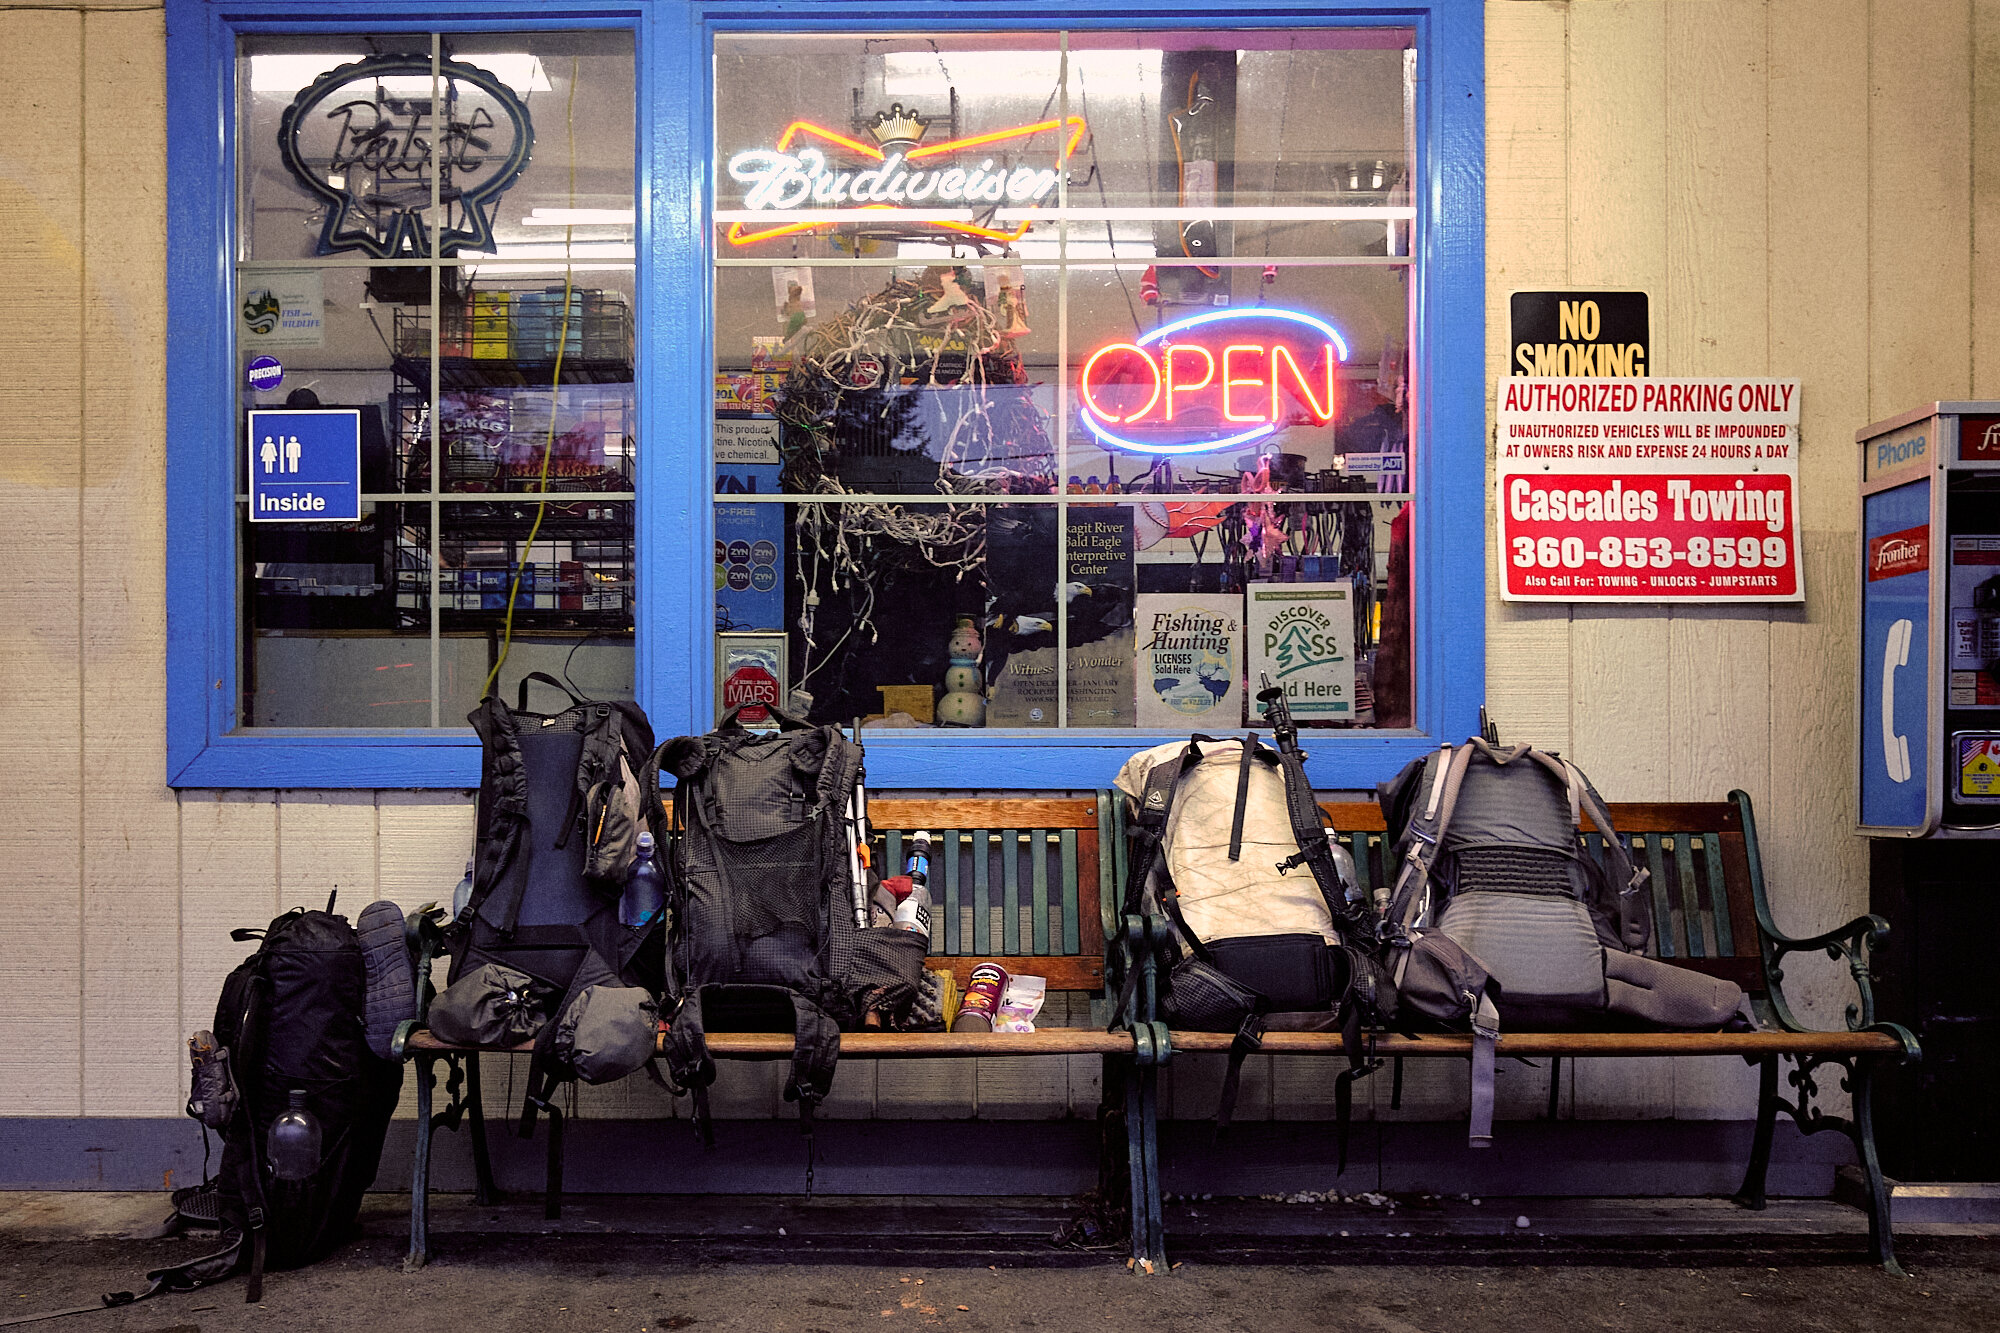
914, 911
917, 865
292, 1147
645, 892
462, 895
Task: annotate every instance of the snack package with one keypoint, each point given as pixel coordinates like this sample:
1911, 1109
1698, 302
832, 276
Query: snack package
1019, 1005
980, 1004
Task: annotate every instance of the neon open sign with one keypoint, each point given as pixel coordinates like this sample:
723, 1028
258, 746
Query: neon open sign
1216, 380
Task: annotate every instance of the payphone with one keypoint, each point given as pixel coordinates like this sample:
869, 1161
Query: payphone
1929, 736
1928, 749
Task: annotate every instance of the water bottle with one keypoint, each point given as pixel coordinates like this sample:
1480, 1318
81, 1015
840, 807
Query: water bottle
292, 1147
917, 865
462, 895
914, 912
645, 892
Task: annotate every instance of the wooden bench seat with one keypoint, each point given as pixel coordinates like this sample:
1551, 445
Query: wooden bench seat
1710, 914
1018, 880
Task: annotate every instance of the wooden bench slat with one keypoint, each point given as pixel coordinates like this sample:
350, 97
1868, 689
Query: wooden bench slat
1693, 933
1009, 841
1663, 920
1742, 910
1671, 816
1718, 896
910, 813
1561, 1043
982, 918
954, 929
912, 1045
1038, 887
930, 1045
1072, 938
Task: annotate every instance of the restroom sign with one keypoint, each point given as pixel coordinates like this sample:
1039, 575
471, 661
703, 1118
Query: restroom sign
305, 466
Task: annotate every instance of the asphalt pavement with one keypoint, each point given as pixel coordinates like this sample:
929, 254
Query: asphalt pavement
634, 1264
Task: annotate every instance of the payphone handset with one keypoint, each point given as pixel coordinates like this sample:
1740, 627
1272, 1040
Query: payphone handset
1895, 747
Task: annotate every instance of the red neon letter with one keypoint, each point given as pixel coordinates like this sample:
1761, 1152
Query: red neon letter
1282, 353
1174, 386
1083, 382
1230, 380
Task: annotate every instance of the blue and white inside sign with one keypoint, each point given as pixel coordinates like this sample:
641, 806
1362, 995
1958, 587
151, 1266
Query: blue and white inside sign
305, 466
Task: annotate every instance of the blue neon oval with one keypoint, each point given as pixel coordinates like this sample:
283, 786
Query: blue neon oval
1197, 321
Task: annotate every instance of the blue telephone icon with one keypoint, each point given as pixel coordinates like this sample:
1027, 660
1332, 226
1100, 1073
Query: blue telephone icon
1895, 747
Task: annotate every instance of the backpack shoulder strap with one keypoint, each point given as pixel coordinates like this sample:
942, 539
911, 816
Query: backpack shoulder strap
1430, 820
1149, 821
503, 810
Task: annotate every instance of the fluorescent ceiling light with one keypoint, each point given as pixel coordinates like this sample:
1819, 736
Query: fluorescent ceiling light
579, 217
990, 74
289, 72
578, 252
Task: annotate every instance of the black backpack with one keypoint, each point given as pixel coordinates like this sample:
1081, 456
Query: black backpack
559, 813
291, 1017
764, 932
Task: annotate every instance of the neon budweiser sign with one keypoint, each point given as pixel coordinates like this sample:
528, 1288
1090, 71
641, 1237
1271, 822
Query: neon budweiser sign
812, 167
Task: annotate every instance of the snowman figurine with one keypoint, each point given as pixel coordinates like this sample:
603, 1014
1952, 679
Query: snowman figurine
964, 701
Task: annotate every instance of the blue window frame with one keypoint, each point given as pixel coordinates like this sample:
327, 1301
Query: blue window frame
674, 365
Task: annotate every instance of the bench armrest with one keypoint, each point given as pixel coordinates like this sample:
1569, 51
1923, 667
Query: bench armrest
1856, 941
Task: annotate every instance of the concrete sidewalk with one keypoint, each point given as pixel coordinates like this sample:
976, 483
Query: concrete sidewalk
631, 1263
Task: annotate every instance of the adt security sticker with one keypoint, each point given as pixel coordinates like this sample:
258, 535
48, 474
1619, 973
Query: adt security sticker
264, 374
305, 467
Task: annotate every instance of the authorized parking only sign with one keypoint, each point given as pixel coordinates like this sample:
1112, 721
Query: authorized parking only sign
305, 466
1644, 490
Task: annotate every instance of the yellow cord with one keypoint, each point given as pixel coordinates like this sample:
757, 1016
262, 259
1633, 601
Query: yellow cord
555, 398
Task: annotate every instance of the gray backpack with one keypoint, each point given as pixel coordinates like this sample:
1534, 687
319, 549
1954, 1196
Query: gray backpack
1498, 908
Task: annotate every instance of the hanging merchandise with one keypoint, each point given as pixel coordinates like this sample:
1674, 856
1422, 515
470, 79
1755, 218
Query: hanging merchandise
1197, 170
913, 389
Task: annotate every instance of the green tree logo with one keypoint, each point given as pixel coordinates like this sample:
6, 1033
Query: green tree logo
261, 311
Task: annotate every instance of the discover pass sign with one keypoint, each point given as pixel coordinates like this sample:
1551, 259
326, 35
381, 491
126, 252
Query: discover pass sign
1648, 490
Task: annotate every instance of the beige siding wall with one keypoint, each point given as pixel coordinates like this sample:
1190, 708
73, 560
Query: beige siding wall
1807, 188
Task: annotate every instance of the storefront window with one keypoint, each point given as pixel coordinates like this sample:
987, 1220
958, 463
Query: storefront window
1062, 379
434, 252
1035, 389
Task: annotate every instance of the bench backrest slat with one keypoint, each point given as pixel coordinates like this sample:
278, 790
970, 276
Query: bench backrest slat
982, 901
1048, 851
1718, 895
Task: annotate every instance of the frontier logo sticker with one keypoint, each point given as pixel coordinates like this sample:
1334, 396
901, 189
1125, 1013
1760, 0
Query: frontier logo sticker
1899, 553
1979, 439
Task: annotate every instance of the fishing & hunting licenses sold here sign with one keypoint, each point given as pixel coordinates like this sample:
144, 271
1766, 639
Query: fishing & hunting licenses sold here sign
1646, 490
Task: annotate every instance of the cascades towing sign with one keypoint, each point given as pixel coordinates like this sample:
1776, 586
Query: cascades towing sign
1645, 490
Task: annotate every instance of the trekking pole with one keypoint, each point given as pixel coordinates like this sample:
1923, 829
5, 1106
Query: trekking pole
1316, 852
857, 845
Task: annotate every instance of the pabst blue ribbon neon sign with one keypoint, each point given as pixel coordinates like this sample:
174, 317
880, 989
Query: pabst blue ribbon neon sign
1215, 380
897, 171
